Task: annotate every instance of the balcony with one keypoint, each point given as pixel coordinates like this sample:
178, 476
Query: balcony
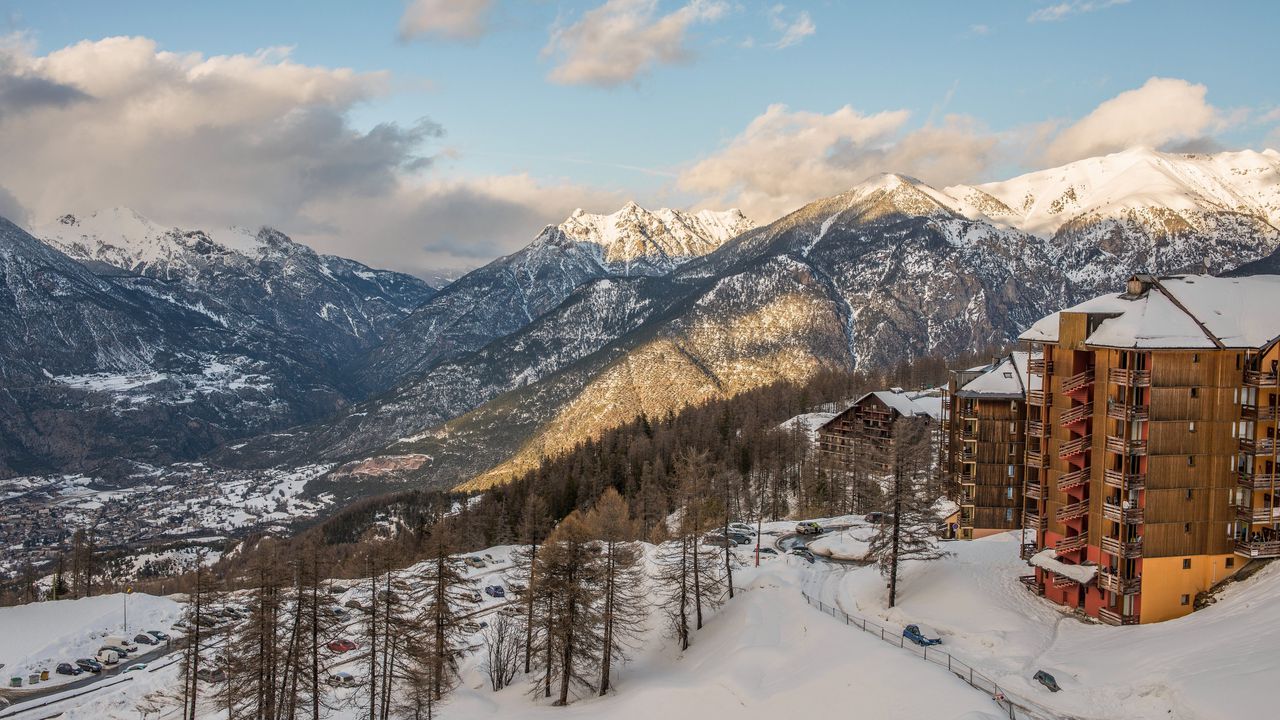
1125, 446
1258, 446
1030, 582
1121, 549
968, 414
1257, 412
1061, 581
1115, 513
1039, 366
1258, 549
966, 499
1071, 544
1032, 521
1121, 481
1118, 585
1038, 397
969, 435
1075, 478
1071, 448
1037, 459
1033, 491
1078, 381
1075, 414
1129, 378
1127, 412
1026, 550
1111, 617
1035, 428
1259, 379
1256, 481
1258, 515
968, 455
1073, 511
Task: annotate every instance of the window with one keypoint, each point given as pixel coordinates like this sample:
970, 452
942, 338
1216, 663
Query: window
1013, 428
1231, 562
1008, 493
1195, 357
1195, 392
1191, 426
1008, 514
1010, 471
1190, 493
1186, 527
1186, 563
1186, 599
1191, 461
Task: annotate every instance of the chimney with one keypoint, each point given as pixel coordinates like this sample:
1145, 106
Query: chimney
1139, 285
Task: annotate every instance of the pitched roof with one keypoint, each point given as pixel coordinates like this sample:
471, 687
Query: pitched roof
1181, 311
1006, 379
910, 403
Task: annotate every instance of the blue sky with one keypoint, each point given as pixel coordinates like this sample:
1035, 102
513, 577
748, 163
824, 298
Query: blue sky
1010, 73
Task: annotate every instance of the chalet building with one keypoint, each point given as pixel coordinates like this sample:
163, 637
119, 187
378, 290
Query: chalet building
1151, 467
865, 428
985, 422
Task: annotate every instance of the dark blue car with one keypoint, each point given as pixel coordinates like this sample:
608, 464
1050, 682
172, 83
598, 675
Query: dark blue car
913, 633
495, 591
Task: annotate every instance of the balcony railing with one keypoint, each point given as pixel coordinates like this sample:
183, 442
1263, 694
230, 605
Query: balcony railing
1258, 446
1258, 549
968, 414
1126, 446
968, 455
1072, 543
1128, 550
1079, 380
966, 499
969, 435
1120, 480
1127, 412
1033, 491
1038, 397
1032, 521
1259, 379
1258, 515
1118, 585
1061, 581
1072, 511
1075, 414
1115, 513
1026, 550
1256, 481
1259, 412
1075, 447
1035, 428
1132, 378
1039, 366
1111, 617
1075, 478
1031, 584
1037, 459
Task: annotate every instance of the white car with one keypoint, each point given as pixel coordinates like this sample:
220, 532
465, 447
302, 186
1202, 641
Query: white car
342, 679
107, 657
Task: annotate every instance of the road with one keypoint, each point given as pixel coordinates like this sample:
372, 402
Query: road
790, 541
25, 695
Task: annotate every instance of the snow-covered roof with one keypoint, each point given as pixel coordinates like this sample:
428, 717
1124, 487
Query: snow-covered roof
1183, 311
1004, 379
910, 403
1048, 559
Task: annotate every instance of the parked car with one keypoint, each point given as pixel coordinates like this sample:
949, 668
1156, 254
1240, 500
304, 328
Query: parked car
495, 591
118, 641
516, 587
145, 639
740, 538
719, 541
68, 669
768, 551
120, 652
1046, 680
162, 637
808, 527
107, 656
214, 675
922, 637
473, 596
801, 552
743, 528
470, 627
336, 589
341, 645
474, 561
354, 604
874, 517
136, 667
342, 679
89, 665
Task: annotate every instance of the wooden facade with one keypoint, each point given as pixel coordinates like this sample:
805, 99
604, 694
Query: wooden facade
861, 434
985, 445
1157, 465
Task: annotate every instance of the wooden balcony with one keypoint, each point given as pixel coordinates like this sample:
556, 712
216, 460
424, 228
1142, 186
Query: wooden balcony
1075, 478
968, 455
1039, 366
1078, 381
1033, 491
969, 435
1125, 446
966, 499
1071, 448
1127, 412
1035, 428
1061, 581
1121, 481
1111, 617
1118, 585
1259, 379
1256, 481
1037, 459
1259, 413
1026, 550
1115, 513
1030, 582
1073, 543
1032, 521
1072, 511
1258, 446
1121, 549
1258, 515
968, 414
1259, 549
1075, 414
1129, 378
1038, 397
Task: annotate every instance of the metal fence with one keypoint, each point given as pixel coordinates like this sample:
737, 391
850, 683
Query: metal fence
1018, 708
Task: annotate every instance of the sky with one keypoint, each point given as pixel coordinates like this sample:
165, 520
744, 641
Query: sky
439, 134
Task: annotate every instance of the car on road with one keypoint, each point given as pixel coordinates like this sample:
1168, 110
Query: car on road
474, 561
341, 645
808, 527
89, 665
107, 656
1046, 680
743, 528
923, 637
342, 679
68, 669
162, 637
495, 591
136, 667
145, 639
801, 552
741, 538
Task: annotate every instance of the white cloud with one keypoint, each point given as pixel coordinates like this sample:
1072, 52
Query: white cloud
621, 40
449, 19
1161, 112
784, 159
979, 29
793, 31
1058, 11
200, 141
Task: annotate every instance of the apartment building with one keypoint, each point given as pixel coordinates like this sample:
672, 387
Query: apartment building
985, 419
1151, 466
864, 429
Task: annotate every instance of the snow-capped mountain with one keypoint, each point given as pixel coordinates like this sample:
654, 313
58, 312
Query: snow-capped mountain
512, 291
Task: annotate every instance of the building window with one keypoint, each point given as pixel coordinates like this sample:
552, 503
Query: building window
1008, 493
1186, 563
1195, 357
1231, 562
1191, 461
1010, 471
1190, 493
1008, 514
1186, 527
1191, 426
1186, 599
1195, 392
1013, 428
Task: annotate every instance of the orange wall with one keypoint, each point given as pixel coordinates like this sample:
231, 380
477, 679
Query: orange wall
1164, 582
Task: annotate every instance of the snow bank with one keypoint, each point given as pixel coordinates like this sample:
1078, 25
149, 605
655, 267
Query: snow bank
852, 544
